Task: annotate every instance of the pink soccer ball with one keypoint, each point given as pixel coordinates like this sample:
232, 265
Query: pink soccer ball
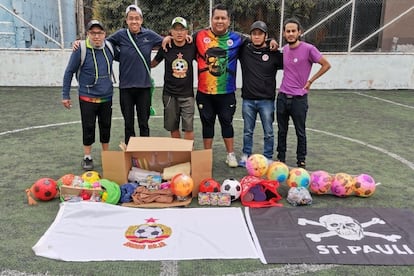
320, 182
256, 165
342, 185
364, 185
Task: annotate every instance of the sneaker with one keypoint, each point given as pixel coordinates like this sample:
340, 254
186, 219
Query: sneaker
87, 164
281, 160
231, 160
243, 160
269, 161
301, 164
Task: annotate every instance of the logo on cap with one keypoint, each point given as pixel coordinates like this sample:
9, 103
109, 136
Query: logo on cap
179, 20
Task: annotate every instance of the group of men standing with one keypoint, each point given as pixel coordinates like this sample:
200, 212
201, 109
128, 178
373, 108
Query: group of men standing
216, 50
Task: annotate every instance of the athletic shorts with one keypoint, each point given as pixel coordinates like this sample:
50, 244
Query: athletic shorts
176, 108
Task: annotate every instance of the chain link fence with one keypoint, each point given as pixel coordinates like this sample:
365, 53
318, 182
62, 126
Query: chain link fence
331, 25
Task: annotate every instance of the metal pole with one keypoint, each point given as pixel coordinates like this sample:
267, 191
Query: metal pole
62, 41
351, 28
282, 14
81, 19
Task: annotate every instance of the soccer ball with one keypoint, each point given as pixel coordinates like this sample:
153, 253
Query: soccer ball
146, 231
342, 184
66, 180
278, 171
320, 182
209, 185
182, 185
44, 189
257, 165
90, 176
232, 187
298, 177
364, 185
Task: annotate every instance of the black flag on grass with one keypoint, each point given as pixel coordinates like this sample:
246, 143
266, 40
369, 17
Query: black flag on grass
367, 236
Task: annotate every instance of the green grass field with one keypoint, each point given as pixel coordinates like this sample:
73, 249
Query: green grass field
348, 131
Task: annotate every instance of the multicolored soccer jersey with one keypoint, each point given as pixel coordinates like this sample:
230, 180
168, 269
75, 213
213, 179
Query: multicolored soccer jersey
217, 61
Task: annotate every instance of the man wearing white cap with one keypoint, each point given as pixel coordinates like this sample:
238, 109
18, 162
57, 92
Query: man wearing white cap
135, 44
178, 94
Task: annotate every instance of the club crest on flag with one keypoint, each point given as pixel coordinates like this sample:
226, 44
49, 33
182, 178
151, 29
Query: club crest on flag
150, 235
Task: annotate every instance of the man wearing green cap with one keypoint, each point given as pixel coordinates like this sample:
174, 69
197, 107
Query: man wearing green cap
178, 94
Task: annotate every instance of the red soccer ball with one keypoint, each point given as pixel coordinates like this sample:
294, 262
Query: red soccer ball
209, 185
44, 189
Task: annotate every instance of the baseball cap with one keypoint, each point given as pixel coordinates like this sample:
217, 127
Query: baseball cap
179, 20
133, 8
260, 25
93, 23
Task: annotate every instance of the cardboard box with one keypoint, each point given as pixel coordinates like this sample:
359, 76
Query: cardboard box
157, 153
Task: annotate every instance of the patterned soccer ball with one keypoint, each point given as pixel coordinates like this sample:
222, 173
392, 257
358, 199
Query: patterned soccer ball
182, 185
90, 176
209, 185
298, 177
231, 186
320, 182
257, 165
364, 185
342, 185
44, 189
278, 171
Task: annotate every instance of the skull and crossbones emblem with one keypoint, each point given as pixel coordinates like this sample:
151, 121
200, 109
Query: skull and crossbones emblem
345, 227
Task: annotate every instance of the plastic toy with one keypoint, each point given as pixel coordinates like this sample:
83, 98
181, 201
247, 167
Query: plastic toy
364, 185
90, 176
342, 185
257, 165
182, 185
44, 189
209, 185
231, 186
298, 177
320, 182
278, 171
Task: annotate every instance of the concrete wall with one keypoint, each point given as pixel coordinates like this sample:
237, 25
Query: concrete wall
353, 71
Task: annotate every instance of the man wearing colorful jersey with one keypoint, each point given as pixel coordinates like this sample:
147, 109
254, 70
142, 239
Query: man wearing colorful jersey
95, 89
217, 53
292, 100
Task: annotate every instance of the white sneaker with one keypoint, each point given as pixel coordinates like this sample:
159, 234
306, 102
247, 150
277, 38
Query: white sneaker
243, 160
269, 161
231, 160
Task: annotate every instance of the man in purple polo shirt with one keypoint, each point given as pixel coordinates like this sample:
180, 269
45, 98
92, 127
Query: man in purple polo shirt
292, 99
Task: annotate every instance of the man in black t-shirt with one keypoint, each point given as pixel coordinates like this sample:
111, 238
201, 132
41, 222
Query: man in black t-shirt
178, 94
259, 66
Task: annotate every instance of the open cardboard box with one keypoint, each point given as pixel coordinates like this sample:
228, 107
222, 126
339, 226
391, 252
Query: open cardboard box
157, 153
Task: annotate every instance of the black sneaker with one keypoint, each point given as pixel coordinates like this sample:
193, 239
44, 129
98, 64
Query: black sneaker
301, 164
87, 164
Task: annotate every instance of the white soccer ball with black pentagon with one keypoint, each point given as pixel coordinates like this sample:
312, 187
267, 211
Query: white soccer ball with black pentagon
231, 186
148, 231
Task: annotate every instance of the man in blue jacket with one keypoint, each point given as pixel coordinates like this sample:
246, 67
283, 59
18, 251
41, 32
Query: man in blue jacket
94, 70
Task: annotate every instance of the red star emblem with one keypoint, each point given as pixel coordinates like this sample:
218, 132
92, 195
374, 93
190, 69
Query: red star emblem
151, 220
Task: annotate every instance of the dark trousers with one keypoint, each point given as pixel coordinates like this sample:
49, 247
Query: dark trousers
89, 113
297, 108
139, 100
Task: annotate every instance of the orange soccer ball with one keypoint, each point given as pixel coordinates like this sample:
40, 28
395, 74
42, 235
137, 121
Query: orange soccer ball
182, 185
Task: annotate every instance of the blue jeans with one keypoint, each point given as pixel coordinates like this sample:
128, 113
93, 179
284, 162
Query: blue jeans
266, 110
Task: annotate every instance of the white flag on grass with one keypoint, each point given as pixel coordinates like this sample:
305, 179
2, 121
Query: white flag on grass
91, 231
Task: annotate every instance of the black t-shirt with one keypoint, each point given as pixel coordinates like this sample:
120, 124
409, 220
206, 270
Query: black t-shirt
179, 73
259, 67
